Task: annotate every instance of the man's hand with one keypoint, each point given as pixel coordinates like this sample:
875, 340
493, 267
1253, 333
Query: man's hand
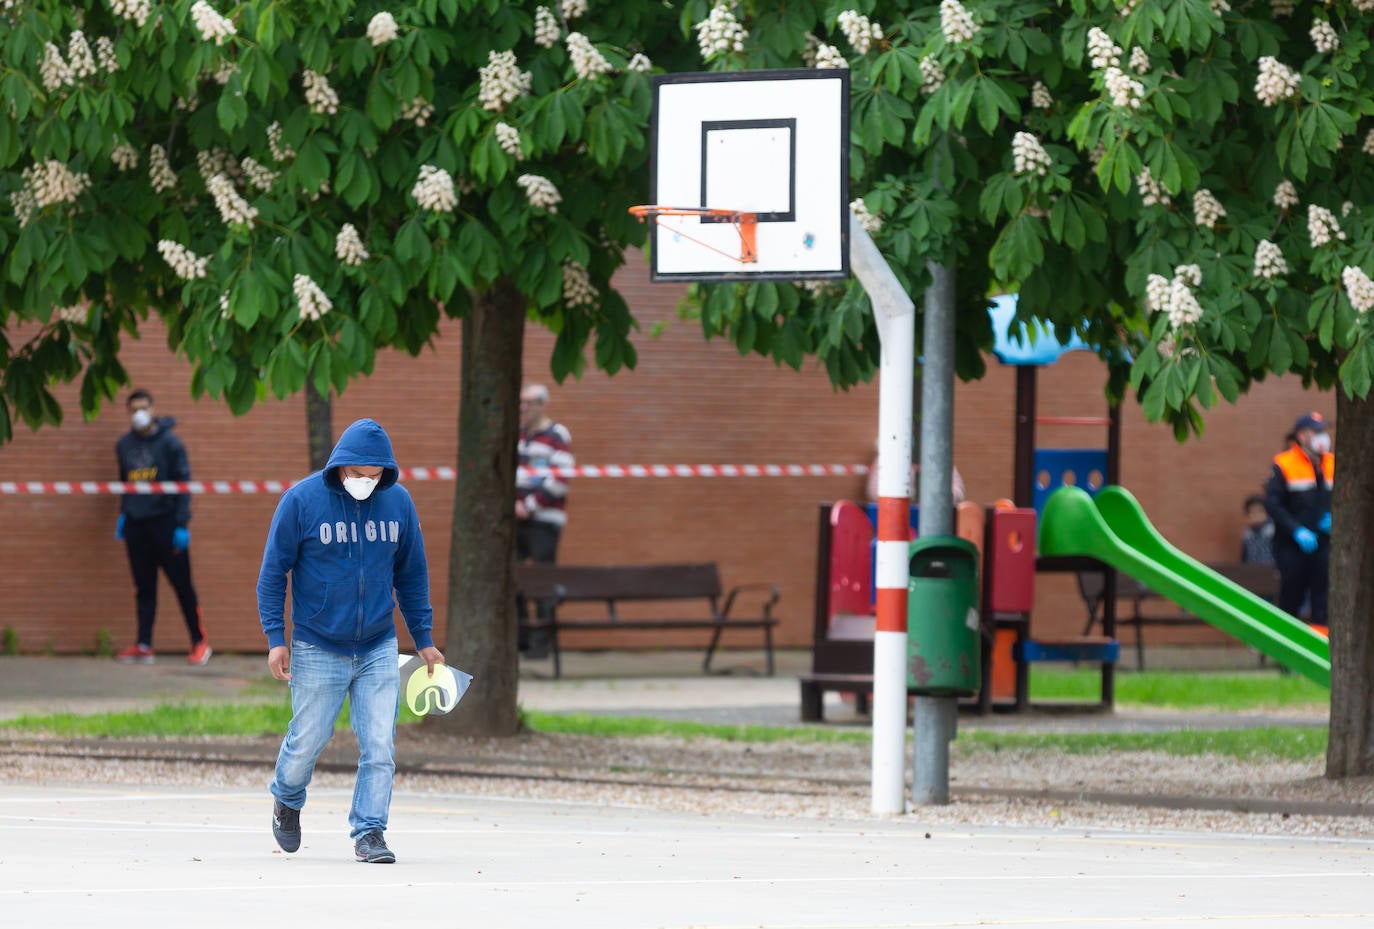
1306, 539
521, 511
279, 661
432, 657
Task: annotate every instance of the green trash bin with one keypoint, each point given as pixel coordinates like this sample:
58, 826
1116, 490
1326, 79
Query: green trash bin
943, 631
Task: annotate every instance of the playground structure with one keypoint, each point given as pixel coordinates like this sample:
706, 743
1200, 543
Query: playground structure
1068, 514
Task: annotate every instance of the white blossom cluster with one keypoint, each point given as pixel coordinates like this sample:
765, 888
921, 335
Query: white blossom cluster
639, 62
540, 191
258, 175
212, 161
434, 190
1364, 6
1346, 207
1285, 195
160, 173
720, 33
419, 109
382, 28
956, 22
1219, 7
587, 61
185, 263
136, 11
48, 183
1207, 209
313, 301
75, 314
1140, 60
547, 31
809, 50
105, 53
318, 94
1098, 153
124, 156
1102, 51
212, 26
280, 150
1322, 226
1028, 155
186, 104
828, 56
1040, 96
1359, 287
508, 137
1174, 296
871, 222
858, 31
79, 56
571, 9
1276, 81
1269, 260
1126, 92
1152, 192
348, 246
1282, 8
932, 75
502, 81
577, 285
233, 209
23, 204
1324, 36
54, 70
224, 305
1369, 143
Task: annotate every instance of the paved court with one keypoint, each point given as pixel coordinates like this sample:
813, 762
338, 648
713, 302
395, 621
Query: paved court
77, 857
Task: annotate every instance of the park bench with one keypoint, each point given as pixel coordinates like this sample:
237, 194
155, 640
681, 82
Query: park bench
615, 585
1262, 580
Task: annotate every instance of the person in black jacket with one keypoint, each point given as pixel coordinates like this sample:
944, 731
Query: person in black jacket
1298, 498
154, 527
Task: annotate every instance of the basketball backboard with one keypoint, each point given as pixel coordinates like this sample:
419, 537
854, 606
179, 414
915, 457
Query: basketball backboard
774, 144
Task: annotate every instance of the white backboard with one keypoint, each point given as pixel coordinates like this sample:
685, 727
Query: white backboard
773, 143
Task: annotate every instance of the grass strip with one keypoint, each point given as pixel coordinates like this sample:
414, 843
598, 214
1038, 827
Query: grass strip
1210, 690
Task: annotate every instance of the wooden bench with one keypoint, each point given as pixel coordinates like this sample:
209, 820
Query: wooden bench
616, 584
1262, 580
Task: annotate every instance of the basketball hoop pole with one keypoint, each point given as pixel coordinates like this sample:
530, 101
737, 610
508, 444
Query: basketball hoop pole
895, 314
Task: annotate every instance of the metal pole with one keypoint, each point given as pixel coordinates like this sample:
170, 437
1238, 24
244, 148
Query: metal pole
895, 315
935, 718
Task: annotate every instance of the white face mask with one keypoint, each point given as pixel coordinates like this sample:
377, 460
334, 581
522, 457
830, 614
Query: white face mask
1319, 444
141, 419
359, 488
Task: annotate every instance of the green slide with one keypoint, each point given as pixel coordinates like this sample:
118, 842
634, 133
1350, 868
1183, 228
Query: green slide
1113, 528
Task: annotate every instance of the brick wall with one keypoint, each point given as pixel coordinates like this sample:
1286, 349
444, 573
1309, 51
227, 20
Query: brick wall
66, 579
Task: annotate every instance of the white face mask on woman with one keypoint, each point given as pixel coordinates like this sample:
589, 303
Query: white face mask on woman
359, 488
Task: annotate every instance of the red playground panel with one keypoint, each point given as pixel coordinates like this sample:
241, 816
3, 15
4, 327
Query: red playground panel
851, 572
1010, 561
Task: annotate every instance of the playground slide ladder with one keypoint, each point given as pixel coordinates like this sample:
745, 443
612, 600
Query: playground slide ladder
1113, 528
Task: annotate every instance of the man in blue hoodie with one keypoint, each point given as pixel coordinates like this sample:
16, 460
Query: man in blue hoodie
349, 538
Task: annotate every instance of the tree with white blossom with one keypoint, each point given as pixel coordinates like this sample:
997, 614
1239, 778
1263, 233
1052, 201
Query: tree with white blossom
1188, 185
293, 188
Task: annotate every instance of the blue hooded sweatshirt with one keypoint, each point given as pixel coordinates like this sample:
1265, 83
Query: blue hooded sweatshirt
346, 556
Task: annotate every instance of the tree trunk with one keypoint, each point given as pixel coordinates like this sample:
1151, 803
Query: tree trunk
319, 425
481, 577
1350, 751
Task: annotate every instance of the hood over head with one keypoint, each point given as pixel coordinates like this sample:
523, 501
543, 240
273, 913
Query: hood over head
364, 443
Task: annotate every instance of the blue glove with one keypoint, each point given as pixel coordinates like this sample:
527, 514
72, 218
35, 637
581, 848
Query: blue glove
119, 528
1325, 524
1306, 539
181, 539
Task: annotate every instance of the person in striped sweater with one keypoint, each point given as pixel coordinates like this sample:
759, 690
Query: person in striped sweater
541, 499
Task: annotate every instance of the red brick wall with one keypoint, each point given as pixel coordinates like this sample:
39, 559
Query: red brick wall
65, 578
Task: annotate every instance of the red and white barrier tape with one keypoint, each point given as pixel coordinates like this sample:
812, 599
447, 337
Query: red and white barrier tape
428, 474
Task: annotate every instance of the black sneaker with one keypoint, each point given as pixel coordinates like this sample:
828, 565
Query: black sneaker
371, 847
286, 826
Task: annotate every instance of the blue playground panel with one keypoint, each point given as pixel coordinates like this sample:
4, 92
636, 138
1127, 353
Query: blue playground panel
1054, 468
871, 509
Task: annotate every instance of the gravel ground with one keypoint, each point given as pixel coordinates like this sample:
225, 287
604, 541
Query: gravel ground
1123, 790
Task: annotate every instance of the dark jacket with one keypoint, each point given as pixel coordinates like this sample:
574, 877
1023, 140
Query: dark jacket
1298, 494
346, 557
158, 456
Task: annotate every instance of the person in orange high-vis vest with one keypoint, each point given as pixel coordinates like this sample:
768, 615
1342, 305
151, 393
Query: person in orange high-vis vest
1298, 498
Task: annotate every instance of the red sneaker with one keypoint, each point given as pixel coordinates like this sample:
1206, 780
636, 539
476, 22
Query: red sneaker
200, 653
135, 654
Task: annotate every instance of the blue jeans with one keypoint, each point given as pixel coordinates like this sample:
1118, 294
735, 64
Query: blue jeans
320, 680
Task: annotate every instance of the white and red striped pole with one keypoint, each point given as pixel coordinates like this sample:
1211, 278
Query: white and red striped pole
896, 318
